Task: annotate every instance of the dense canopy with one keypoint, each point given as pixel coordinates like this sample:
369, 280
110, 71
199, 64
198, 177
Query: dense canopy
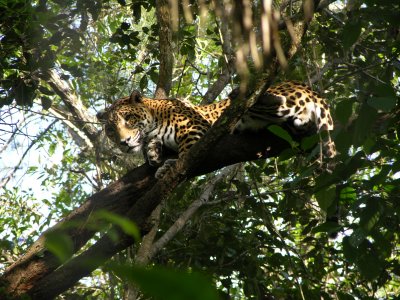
80, 219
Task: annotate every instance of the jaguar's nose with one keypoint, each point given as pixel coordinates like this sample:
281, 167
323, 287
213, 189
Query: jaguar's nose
125, 142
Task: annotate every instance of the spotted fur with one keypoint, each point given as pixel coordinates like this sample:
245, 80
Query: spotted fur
137, 123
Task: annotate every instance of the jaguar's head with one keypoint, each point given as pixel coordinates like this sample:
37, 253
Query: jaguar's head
125, 122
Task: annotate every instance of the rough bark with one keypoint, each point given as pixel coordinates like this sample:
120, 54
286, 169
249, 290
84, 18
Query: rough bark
165, 43
37, 261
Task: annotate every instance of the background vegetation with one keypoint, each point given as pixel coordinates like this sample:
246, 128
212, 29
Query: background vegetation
267, 229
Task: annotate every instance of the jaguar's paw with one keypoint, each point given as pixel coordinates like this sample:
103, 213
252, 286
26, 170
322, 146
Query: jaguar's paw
168, 164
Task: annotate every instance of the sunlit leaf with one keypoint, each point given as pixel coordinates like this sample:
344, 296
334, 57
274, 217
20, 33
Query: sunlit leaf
348, 194
126, 225
370, 214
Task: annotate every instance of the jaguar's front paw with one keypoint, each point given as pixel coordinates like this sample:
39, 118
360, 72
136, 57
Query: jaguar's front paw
168, 164
154, 153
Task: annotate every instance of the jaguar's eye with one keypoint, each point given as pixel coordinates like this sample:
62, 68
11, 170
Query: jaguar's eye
128, 117
130, 121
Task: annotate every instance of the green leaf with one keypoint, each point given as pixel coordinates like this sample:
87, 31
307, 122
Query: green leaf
126, 225
143, 82
350, 34
385, 104
370, 214
349, 251
357, 237
52, 148
325, 197
383, 90
369, 262
153, 73
344, 296
282, 133
364, 124
348, 194
168, 284
60, 245
309, 142
344, 109
328, 227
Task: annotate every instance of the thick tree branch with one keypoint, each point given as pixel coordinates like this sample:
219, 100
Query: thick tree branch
229, 150
37, 262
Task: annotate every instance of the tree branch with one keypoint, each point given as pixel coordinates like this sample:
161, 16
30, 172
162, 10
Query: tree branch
190, 211
165, 44
228, 53
73, 103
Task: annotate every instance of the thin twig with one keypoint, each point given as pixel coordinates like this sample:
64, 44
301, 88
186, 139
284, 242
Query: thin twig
190, 211
271, 227
7, 178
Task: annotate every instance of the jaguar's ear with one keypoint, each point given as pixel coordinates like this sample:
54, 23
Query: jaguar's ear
101, 115
135, 97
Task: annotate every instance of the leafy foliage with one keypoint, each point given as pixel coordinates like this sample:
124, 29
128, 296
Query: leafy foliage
274, 229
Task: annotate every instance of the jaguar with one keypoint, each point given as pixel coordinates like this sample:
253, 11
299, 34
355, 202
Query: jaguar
140, 124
